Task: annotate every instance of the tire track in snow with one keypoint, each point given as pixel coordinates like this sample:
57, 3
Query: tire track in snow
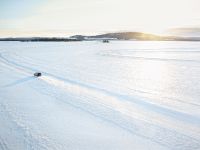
122, 114
7, 65
121, 98
20, 127
171, 99
32, 139
147, 58
13, 65
159, 109
21, 68
3, 145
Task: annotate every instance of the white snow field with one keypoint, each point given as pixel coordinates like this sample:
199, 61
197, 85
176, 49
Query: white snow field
122, 95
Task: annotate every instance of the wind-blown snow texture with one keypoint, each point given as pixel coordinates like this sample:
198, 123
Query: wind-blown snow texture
117, 96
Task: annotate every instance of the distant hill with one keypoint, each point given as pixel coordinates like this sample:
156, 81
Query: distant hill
135, 36
109, 36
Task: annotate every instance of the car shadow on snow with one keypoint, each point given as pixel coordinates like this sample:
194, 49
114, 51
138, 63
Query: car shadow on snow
20, 81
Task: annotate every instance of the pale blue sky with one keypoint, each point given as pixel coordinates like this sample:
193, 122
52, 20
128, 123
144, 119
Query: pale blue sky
66, 17
17, 8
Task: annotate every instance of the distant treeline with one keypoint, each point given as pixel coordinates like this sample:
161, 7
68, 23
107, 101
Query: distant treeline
138, 36
40, 39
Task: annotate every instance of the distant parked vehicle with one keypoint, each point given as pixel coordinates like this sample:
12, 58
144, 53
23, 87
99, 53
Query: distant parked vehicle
105, 41
37, 74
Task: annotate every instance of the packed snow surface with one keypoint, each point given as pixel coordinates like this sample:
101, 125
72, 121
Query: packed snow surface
121, 95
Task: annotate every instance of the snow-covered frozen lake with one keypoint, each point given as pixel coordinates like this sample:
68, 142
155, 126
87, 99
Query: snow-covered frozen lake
121, 95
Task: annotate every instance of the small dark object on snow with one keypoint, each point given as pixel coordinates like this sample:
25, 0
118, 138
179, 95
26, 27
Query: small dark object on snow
37, 74
105, 41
